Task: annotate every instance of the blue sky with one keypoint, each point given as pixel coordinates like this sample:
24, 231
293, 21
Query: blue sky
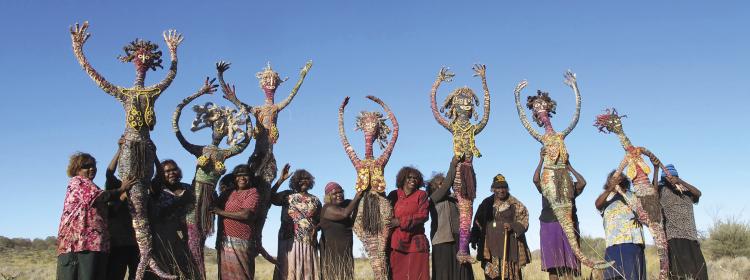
678, 69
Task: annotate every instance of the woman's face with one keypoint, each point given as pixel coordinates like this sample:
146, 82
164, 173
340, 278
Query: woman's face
172, 174
411, 181
242, 181
304, 183
337, 196
87, 169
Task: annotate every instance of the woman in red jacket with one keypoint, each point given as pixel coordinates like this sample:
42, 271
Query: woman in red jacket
409, 246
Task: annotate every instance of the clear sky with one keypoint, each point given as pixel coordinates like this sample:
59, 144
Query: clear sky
678, 69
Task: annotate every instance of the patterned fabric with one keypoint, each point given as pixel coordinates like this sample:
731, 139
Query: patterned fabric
300, 215
483, 228
679, 219
240, 200
298, 260
237, 259
370, 173
620, 223
411, 211
82, 225
375, 244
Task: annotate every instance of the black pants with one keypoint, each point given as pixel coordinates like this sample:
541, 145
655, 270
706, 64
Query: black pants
122, 259
84, 265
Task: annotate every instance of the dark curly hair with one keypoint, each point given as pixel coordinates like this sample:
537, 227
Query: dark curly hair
297, 176
544, 96
624, 182
404, 172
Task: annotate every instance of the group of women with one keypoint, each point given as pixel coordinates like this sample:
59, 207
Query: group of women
154, 226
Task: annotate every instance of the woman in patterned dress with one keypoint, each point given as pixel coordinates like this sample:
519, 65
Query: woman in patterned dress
624, 234
238, 213
300, 214
82, 238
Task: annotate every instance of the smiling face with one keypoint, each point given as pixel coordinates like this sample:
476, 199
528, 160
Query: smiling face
172, 173
242, 181
501, 193
337, 196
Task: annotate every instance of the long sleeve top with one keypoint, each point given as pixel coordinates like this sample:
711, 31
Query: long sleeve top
412, 212
83, 225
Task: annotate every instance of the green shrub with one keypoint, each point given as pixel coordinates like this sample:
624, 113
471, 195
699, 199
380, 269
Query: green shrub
728, 238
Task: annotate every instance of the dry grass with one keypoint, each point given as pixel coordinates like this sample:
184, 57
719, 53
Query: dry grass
40, 264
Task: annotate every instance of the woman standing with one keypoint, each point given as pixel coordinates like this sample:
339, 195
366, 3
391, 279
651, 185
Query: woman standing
624, 234
238, 249
409, 247
82, 238
171, 201
300, 214
558, 253
336, 258
444, 228
499, 215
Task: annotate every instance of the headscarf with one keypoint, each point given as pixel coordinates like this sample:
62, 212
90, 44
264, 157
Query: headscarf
672, 171
331, 186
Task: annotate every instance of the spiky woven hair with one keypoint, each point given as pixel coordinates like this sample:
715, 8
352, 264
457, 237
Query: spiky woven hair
383, 130
606, 122
544, 96
268, 74
209, 115
450, 105
142, 46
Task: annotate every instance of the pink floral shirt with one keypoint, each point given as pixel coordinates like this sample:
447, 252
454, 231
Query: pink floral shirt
82, 226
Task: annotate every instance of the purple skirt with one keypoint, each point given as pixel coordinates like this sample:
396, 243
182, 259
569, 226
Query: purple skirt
555, 248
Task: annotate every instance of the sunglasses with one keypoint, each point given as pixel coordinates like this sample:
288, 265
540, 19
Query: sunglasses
88, 166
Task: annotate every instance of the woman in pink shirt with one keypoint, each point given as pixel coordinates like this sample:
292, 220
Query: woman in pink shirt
82, 238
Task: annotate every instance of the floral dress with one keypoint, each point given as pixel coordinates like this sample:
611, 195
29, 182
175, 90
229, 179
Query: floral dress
298, 255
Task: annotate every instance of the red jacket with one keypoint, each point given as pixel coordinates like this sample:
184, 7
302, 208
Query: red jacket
412, 212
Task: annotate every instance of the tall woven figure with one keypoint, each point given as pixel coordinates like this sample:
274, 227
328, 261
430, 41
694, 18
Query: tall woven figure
646, 204
375, 212
459, 108
136, 159
557, 185
224, 122
266, 134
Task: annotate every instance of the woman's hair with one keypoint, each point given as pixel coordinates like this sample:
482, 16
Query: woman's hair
76, 162
297, 176
433, 183
404, 172
624, 182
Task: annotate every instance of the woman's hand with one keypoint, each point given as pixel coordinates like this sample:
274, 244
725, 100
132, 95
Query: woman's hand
127, 184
